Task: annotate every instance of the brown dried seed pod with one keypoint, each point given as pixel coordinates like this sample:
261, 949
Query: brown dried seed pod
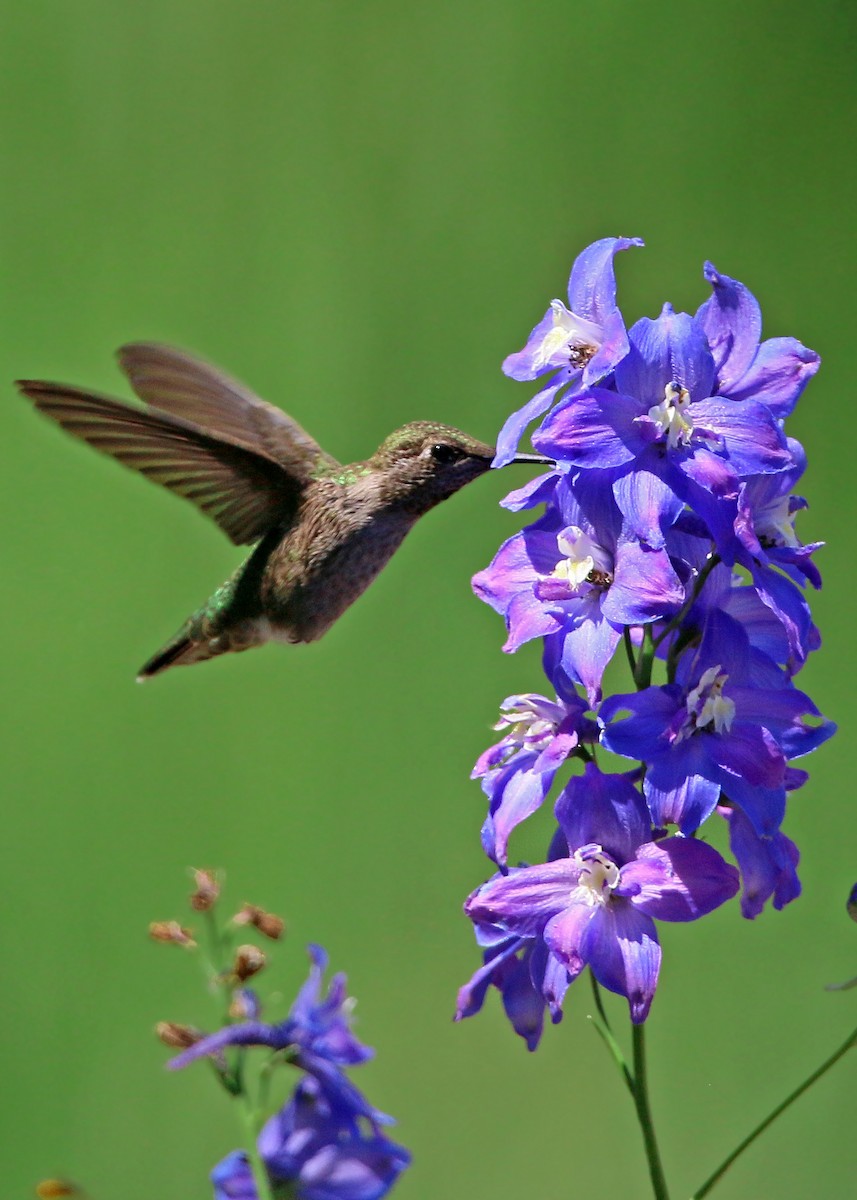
267, 923
177, 1037
171, 931
207, 889
249, 961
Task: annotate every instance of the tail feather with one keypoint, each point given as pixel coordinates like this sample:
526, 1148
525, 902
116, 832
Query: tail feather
180, 652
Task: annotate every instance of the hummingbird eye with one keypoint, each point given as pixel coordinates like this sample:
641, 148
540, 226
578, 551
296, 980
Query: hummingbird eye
442, 452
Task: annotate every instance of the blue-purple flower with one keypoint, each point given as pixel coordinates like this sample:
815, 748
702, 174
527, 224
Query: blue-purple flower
319, 1151
768, 865
668, 526
316, 1036
579, 343
728, 724
597, 906
518, 771
667, 441
578, 572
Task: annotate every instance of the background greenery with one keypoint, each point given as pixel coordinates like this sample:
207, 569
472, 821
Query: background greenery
360, 208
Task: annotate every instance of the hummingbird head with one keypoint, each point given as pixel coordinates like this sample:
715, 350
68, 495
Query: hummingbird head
425, 462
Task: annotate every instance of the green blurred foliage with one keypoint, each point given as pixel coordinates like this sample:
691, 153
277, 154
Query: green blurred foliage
360, 208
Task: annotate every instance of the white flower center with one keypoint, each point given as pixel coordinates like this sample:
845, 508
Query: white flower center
584, 562
526, 722
672, 415
570, 338
598, 876
775, 523
706, 704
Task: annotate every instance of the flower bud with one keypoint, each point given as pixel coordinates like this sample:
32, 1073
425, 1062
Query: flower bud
207, 890
171, 931
249, 961
178, 1037
268, 924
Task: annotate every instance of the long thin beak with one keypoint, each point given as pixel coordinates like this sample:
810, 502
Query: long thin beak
534, 458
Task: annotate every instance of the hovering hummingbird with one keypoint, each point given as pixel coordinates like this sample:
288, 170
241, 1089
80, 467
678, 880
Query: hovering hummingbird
323, 530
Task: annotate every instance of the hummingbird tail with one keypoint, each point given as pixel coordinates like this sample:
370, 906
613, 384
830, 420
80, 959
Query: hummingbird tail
176, 653
184, 649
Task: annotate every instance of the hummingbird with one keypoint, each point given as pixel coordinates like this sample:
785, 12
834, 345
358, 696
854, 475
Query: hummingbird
321, 531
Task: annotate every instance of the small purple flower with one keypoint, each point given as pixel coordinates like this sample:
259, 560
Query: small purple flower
321, 1153
517, 772
581, 342
597, 906
667, 441
316, 1034
577, 572
729, 723
315, 1025
768, 866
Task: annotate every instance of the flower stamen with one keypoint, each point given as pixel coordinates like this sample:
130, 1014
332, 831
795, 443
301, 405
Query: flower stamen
672, 415
585, 562
570, 337
598, 876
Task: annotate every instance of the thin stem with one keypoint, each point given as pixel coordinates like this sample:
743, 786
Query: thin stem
251, 1125
674, 623
602, 1028
629, 650
772, 1116
644, 1115
643, 670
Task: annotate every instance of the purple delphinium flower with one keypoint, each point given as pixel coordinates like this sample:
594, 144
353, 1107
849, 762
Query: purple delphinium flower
579, 573
517, 772
669, 522
768, 865
320, 1152
316, 1034
597, 906
729, 723
580, 343
666, 440
317, 1026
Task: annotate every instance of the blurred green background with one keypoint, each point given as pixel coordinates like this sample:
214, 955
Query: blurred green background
360, 208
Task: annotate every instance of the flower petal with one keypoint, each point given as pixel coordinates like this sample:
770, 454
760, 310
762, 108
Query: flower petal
732, 321
513, 430
593, 429
671, 349
679, 879
592, 283
777, 376
624, 955
525, 899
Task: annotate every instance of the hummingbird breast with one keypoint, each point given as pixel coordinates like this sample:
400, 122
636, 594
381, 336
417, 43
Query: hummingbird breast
339, 544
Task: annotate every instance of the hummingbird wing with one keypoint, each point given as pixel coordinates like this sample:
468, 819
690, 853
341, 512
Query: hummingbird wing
189, 388
245, 491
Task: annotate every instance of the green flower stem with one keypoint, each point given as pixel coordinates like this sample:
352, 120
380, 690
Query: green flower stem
629, 649
252, 1126
676, 621
643, 670
602, 1028
717, 1175
644, 1114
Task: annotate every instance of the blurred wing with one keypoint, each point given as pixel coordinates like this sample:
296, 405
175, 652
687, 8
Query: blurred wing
244, 492
191, 389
